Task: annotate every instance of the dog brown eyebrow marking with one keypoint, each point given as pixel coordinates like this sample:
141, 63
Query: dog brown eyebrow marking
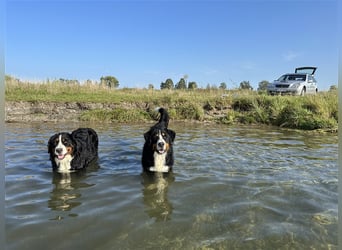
69, 150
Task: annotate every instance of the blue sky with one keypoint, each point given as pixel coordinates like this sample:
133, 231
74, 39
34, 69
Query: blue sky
146, 42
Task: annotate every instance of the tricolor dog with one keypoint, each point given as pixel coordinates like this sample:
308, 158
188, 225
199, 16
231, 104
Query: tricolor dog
157, 155
70, 152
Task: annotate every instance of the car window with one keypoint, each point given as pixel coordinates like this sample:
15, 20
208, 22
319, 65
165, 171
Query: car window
310, 77
282, 78
306, 70
292, 77
300, 78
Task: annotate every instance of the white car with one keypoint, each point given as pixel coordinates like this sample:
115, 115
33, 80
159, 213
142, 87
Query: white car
301, 82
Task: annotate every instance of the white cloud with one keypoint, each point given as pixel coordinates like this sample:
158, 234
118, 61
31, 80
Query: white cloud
290, 55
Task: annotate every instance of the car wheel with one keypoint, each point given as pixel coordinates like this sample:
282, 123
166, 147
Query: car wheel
303, 92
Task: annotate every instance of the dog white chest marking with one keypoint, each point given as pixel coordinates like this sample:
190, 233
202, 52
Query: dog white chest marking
160, 158
62, 158
65, 164
159, 163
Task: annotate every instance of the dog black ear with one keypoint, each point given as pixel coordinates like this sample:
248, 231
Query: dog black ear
76, 142
172, 134
147, 136
51, 143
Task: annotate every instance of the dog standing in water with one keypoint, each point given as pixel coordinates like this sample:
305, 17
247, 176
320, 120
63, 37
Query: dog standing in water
157, 155
71, 152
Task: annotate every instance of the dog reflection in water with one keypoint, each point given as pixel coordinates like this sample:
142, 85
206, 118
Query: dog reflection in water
66, 193
155, 195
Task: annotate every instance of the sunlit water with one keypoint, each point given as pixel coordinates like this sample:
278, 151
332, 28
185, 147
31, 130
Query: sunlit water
231, 188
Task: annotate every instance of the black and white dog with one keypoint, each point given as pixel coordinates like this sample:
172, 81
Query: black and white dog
70, 152
157, 155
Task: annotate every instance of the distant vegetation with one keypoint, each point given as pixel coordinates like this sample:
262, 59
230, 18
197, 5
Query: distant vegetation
211, 104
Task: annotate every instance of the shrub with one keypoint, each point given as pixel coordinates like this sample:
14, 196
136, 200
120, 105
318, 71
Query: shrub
243, 104
300, 118
191, 111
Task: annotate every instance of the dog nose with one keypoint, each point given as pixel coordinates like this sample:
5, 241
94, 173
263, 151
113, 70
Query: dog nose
161, 144
59, 150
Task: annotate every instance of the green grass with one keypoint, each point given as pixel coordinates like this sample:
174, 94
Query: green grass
119, 114
233, 106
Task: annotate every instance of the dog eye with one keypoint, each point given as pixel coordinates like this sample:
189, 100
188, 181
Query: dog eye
163, 134
64, 140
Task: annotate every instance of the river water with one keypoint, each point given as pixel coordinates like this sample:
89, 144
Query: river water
232, 187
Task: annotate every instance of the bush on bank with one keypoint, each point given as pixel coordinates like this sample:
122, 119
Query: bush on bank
308, 112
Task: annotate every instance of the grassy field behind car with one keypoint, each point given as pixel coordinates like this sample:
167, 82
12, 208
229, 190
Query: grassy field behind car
217, 105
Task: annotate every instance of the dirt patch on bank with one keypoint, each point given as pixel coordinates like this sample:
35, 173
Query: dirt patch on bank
24, 111
54, 111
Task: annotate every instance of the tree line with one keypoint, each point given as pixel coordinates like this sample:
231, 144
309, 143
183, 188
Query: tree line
182, 84
113, 82
108, 81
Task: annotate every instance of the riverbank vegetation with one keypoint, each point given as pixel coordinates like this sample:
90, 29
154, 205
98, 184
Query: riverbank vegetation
212, 104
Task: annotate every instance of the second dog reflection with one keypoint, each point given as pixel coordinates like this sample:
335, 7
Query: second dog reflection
155, 195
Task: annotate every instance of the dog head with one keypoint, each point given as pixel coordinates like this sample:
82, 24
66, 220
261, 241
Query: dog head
61, 145
160, 139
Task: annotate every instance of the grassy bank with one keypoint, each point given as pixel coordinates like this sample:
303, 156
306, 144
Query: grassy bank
222, 106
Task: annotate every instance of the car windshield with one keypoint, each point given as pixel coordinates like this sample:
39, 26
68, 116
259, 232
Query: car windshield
292, 77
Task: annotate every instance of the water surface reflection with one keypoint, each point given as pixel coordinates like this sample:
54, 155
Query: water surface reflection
65, 193
155, 195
